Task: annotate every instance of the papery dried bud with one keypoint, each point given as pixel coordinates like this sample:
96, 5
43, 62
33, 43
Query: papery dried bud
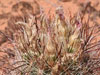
60, 12
78, 24
50, 48
74, 40
78, 21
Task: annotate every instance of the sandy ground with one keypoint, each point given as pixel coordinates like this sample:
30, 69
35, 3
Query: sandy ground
72, 6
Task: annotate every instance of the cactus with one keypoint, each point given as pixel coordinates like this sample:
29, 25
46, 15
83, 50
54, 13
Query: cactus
54, 47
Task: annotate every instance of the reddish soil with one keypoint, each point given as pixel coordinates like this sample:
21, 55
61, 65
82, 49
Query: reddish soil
72, 6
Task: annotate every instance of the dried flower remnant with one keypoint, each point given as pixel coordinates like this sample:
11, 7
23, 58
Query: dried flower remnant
60, 12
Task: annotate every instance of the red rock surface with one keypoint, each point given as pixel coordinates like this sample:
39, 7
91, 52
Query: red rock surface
72, 6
